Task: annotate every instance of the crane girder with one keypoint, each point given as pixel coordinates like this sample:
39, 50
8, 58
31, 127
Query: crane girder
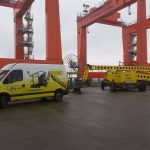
133, 27
7, 4
112, 20
22, 6
104, 11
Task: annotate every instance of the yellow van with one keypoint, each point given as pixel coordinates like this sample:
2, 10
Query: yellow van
24, 81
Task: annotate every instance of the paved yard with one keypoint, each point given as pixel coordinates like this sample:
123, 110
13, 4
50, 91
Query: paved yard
95, 120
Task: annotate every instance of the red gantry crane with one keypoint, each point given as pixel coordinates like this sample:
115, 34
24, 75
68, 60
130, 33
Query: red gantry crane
24, 45
134, 36
135, 51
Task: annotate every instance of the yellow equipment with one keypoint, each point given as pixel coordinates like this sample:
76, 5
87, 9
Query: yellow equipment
56, 76
122, 77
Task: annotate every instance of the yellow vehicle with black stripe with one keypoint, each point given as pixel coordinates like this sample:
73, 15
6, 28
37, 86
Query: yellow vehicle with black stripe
123, 77
124, 80
24, 81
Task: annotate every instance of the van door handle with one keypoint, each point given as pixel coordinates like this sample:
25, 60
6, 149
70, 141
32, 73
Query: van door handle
23, 85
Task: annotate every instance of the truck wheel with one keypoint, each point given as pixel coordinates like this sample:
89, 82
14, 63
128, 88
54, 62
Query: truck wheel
58, 96
3, 101
142, 87
113, 87
77, 90
103, 85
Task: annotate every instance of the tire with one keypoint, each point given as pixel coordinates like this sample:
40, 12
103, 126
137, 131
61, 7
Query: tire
113, 87
103, 85
58, 96
77, 90
3, 101
142, 87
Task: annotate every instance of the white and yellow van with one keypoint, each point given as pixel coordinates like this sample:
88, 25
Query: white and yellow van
23, 81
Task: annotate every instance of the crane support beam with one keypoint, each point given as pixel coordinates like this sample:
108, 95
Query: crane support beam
112, 20
141, 33
53, 35
126, 45
19, 49
114, 17
82, 39
140, 28
126, 31
104, 11
22, 6
113, 23
7, 4
135, 26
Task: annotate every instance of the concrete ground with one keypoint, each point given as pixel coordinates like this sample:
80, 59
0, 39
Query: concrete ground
95, 120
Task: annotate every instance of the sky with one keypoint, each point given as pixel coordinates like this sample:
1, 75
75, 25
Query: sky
104, 43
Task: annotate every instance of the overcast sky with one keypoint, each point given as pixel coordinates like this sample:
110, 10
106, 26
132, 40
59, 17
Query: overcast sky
104, 42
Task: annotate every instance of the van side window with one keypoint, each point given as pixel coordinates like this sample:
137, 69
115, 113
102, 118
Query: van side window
14, 76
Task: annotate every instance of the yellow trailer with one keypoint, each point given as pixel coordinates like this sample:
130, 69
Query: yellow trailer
123, 77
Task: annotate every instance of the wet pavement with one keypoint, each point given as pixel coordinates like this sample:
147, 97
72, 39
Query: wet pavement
94, 120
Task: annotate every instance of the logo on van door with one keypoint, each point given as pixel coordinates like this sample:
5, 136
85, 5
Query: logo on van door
38, 79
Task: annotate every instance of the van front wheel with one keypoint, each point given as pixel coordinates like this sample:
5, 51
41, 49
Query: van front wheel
58, 96
3, 101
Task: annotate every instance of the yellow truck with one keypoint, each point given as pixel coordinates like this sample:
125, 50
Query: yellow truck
24, 81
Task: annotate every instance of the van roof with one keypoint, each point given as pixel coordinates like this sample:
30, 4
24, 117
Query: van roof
33, 66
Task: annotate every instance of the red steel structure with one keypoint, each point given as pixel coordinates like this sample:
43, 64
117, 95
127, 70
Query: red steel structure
134, 36
53, 36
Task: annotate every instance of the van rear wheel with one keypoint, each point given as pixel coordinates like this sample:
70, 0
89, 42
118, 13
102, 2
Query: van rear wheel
3, 101
58, 96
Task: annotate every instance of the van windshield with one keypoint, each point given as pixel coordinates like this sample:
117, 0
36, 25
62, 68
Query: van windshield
3, 73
